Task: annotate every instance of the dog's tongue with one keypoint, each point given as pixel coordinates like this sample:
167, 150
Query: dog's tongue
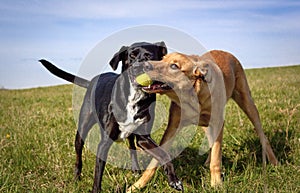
156, 87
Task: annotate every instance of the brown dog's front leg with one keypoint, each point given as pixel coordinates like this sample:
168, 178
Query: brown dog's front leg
216, 161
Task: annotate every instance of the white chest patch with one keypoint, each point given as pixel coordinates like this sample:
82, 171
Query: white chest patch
131, 124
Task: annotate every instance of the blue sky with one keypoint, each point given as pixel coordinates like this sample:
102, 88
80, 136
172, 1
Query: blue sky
259, 33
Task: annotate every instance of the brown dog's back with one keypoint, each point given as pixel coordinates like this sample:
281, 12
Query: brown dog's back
234, 76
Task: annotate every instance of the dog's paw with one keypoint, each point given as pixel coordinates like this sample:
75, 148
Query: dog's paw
136, 169
77, 175
177, 185
136, 173
223, 176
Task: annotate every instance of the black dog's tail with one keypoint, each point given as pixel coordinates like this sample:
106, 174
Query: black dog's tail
65, 75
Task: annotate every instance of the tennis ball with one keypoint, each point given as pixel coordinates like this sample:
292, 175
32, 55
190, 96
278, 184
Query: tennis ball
143, 80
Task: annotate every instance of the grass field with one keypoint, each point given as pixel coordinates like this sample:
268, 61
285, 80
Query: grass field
37, 131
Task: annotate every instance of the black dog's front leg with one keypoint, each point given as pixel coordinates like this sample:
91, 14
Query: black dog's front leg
134, 161
148, 145
102, 153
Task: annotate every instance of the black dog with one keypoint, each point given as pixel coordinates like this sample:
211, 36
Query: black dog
121, 109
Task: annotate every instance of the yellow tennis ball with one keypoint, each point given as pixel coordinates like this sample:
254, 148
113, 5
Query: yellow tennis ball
143, 80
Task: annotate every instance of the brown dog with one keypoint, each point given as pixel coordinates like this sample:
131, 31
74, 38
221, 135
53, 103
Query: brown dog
215, 77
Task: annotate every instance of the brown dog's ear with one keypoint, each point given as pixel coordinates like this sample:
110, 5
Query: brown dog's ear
162, 48
203, 71
119, 56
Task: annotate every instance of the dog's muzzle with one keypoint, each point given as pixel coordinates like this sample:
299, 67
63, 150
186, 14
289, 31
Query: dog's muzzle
158, 85
148, 67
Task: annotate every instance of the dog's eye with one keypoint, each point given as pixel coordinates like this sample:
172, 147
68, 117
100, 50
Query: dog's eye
148, 55
133, 55
174, 67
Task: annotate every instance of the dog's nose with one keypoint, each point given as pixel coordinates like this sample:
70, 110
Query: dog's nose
148, 66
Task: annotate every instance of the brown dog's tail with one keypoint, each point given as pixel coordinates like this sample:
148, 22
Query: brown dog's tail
65, 75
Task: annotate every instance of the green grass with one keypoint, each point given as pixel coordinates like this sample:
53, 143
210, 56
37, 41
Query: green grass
37, 131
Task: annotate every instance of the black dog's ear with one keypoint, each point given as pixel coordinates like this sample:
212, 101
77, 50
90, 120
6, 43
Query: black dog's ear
119, 56
162, 48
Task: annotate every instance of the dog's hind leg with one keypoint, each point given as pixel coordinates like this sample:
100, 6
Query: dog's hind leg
242, 96
86, 122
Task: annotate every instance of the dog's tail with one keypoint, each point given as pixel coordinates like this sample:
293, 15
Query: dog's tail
65, 75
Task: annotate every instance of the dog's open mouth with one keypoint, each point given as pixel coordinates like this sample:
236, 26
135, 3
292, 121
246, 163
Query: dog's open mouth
157, 87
